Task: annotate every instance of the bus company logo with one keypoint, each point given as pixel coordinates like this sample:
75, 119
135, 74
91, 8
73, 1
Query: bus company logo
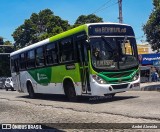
41, 77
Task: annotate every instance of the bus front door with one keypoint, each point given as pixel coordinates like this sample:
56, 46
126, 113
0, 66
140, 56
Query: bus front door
84, 67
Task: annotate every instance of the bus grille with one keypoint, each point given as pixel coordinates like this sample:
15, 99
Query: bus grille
117, 75
120, 86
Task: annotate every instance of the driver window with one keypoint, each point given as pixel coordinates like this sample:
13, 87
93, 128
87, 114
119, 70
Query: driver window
100, 51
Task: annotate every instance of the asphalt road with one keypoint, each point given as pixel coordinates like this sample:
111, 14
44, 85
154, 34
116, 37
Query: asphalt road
127, 107
130, 106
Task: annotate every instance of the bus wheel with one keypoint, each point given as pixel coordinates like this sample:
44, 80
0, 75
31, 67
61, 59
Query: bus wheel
31, 91
70, 91
6, 88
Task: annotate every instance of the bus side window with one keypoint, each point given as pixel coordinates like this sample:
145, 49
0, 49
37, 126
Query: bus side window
16, 65
22, 61
31, 59
39, 57
66, 50
51, 54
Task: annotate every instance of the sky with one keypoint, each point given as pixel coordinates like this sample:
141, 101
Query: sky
14, 12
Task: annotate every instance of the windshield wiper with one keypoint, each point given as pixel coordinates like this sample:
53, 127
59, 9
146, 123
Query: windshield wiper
124, 41
108, 44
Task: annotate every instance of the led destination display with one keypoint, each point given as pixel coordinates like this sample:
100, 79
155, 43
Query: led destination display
112, 30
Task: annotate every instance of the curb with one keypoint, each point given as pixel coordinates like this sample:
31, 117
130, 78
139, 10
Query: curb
150, 87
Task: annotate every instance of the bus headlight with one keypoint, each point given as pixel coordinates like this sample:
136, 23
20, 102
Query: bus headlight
99, 79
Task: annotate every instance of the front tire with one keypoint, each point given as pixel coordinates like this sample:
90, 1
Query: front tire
32, 95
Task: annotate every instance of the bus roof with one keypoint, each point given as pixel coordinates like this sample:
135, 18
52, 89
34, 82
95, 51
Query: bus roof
109, 23
62, 35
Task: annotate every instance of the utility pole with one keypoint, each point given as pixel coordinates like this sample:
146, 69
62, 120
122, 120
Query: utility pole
120, 11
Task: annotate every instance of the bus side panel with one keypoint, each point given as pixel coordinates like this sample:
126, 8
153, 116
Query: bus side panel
49, 80
59, 73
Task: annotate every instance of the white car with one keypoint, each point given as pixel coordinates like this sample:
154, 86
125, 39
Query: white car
9, 84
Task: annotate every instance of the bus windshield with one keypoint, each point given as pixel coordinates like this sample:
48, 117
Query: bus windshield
113, 53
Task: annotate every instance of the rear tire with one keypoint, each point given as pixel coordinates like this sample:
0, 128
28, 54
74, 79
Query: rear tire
32, 95
70, 91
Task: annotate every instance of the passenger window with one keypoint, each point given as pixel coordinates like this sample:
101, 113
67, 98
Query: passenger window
51, 54
39, 57
22, 61
31, 59
15, 63
66, 50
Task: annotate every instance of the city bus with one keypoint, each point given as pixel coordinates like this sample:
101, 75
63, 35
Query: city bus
95, 59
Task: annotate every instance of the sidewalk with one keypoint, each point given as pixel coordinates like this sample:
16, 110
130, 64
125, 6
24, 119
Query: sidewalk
150, 86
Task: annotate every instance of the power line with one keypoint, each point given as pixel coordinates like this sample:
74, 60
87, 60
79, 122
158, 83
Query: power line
110, 5
104, 7
101, 7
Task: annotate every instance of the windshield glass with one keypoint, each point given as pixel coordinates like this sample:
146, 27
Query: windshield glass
113, 53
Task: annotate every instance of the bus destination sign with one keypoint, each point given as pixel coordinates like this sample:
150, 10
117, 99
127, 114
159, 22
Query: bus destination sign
110, 30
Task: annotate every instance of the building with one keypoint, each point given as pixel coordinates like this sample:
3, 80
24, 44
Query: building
144, 48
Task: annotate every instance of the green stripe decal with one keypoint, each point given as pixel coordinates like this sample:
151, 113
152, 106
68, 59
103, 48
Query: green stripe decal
55, 74
42, 75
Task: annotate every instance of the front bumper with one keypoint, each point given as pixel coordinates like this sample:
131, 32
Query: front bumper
103, 89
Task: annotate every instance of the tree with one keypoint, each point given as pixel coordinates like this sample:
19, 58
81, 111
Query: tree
45, 24
152, 27
40, 26
83, 19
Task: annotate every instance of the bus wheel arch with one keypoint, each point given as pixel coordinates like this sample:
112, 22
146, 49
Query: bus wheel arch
30, 90
69, 89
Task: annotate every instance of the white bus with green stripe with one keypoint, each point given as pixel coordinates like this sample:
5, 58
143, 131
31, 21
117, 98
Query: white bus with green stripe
91, 59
